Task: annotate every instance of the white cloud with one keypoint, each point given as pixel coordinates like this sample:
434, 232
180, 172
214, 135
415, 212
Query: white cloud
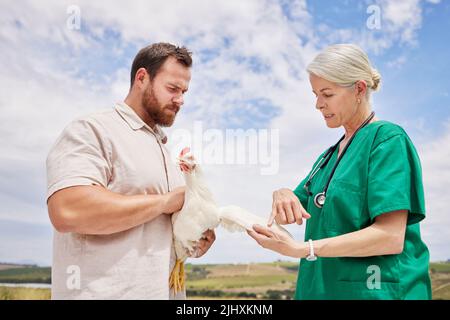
402, 17
398, 23
436, 175
397, 62
49, 75
44, 90
24, 242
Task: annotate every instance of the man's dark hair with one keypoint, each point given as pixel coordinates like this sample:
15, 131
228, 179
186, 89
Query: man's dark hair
153, 56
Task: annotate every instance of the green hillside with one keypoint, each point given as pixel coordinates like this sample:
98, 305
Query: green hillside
25, 274
211, 281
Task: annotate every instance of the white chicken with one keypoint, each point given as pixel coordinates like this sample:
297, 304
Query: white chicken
199, 214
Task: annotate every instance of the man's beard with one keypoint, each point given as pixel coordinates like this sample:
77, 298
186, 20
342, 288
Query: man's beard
156, 111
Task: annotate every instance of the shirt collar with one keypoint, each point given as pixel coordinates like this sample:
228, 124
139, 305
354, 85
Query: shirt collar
136, 123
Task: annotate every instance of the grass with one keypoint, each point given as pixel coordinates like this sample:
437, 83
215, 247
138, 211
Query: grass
244, 281
442, 292
10, 293
222, 281
239, 282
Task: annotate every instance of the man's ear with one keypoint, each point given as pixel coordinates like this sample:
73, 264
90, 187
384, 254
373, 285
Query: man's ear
141, 78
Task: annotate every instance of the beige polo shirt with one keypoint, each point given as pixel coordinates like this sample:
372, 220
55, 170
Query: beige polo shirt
117, 150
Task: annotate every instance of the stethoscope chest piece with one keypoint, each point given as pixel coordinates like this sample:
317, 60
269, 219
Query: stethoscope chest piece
319, 199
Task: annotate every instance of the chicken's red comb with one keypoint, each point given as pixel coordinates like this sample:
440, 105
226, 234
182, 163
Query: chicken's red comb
184, 151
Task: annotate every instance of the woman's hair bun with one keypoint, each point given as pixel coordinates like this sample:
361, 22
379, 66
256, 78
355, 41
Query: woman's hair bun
376, 78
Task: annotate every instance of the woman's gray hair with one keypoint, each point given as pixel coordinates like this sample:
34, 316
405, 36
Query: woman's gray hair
345, 64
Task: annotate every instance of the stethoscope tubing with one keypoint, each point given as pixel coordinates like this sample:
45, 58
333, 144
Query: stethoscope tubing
319, 199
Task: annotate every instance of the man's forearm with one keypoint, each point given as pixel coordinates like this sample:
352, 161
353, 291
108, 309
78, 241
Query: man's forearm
96, 210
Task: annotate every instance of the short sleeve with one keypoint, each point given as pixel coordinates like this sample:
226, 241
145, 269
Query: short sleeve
395, 179
301, 193
78, 157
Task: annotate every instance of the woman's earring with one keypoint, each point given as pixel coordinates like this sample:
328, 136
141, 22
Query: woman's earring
359, 101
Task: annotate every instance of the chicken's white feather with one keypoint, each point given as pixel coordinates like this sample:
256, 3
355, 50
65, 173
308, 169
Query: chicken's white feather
234, 218
199, 214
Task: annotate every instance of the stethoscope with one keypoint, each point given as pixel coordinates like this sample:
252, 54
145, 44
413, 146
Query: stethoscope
319, 199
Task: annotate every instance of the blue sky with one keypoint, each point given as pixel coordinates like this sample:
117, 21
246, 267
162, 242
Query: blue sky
249, 73
406, 86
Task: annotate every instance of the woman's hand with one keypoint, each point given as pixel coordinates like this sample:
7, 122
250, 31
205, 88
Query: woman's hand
286, 208
277, 241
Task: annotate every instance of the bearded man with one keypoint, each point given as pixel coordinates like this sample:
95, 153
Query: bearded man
112, 189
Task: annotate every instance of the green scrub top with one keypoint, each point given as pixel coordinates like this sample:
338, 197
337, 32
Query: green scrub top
379, 173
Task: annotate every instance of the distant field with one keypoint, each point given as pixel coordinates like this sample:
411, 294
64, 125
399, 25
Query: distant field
24, 274
256, 281
440, 267
4, 266
221, 281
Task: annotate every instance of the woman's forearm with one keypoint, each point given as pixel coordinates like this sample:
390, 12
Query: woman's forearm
363, 243
385, 236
